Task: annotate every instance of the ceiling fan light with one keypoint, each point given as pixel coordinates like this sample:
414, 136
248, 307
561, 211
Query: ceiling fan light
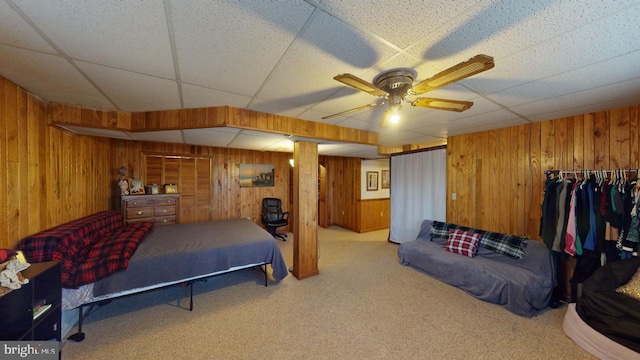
394, 113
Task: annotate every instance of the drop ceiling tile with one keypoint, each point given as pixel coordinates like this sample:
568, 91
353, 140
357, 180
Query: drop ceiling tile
168, 136
312, 115
197, 97
253, 142
14, 31
50, 77
219, 137
272, 107
345, 99
342, 50
130, 35
233, 46
284, 145
593, 43
588, 77
580, 99
501, 28
390, 21
360, 125
132, 91
590, 108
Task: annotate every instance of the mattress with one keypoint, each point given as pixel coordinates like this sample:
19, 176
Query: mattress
177, 253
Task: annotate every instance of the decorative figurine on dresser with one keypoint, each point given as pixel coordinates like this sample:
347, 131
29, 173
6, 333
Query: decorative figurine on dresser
139, 205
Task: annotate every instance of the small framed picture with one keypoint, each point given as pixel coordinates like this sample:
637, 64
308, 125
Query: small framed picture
170, 189
136, 187
372, 180
385, 181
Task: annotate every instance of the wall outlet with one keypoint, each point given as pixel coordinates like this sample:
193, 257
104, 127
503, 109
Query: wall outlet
342, 212
454, 196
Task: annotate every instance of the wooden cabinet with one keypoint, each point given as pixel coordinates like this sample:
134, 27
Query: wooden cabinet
34, 311
160, 209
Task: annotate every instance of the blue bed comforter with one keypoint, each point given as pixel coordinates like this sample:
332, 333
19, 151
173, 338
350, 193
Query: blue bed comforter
182, 251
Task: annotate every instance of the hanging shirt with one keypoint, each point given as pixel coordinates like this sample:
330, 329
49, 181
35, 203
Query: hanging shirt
571, 234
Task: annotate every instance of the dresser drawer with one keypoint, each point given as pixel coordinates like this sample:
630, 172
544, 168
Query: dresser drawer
161, 209
164, 210
164, 220
139, 213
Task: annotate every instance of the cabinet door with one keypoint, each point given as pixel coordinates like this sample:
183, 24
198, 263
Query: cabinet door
193, 178
15, 313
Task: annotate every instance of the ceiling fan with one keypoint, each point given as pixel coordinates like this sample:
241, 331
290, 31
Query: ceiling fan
394, 85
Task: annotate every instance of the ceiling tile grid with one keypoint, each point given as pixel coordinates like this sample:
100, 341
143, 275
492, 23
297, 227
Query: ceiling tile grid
552, 59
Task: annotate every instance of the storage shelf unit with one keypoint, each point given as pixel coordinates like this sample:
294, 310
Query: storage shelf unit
17, 308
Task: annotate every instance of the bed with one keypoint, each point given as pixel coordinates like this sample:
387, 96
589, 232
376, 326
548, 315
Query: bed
165, 256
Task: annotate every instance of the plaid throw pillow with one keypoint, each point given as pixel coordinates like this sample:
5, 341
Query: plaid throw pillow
439, 230
463, 242
509, 245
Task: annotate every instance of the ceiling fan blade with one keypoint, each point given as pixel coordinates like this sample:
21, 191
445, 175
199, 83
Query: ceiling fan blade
359, 84
368, 106
442, 104
475, 65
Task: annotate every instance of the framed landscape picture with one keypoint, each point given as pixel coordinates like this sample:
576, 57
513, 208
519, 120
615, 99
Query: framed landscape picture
372, 180
257, 175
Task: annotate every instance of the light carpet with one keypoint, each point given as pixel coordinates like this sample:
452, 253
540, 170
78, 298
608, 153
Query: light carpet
363, 305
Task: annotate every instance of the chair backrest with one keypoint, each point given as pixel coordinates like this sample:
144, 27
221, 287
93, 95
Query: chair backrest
271, 209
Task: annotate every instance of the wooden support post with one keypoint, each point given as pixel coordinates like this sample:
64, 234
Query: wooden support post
305, 209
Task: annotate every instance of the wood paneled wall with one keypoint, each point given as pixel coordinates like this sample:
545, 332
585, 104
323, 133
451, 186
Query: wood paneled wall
498, 175
342, 191
47, 176
228, 200
374, 214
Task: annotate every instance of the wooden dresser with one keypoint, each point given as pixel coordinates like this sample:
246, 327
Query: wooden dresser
160, 209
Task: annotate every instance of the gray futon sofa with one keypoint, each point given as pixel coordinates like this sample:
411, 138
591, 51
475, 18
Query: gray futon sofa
523, 285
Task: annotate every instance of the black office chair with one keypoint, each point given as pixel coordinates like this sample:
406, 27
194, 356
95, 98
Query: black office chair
273, 217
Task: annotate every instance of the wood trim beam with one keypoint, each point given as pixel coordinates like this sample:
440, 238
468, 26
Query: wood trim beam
211, 117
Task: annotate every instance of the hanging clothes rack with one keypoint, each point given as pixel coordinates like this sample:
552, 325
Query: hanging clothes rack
629, 174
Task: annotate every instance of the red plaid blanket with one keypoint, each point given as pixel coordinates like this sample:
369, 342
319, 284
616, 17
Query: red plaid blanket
90, 248
70, 238
108, 256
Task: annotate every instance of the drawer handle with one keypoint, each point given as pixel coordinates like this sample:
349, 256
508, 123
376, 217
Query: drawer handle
165, 210
165, 220
139, 212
